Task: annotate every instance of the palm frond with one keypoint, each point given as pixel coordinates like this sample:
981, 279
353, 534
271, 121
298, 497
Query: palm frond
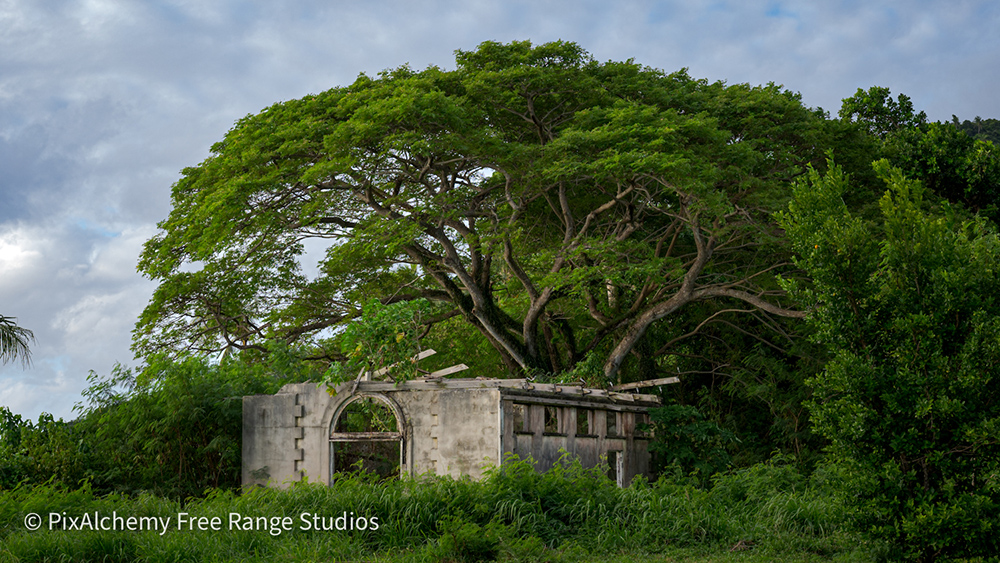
14, 342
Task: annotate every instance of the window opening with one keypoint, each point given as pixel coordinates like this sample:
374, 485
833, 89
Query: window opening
551, 420
641, 425
583, 419
520, 418
612, 418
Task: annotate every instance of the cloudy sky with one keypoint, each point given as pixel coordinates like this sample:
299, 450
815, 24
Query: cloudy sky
102, 102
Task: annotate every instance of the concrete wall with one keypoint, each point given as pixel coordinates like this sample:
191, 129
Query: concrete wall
445, 431
269, 439
454, 427
586, 439
453, 431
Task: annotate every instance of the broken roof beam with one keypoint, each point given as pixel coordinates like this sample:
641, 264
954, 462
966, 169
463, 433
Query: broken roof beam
647, 383
421, 355
447, 371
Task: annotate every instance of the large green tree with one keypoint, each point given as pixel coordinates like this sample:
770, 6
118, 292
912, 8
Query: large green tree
908, 304
558, 207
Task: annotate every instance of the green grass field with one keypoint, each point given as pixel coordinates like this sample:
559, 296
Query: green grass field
766, 513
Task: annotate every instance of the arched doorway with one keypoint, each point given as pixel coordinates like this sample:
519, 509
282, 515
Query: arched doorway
367, 435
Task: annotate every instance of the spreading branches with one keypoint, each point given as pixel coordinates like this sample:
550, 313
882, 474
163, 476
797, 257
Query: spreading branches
555, 205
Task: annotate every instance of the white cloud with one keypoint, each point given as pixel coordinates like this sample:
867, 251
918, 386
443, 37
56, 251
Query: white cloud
21, 260
57, 397
98, 17
17, 257
86, 324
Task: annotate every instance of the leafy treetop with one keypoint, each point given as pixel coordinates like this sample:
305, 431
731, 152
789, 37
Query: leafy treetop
560, 208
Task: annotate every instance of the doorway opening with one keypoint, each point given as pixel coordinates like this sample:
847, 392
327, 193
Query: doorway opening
367, 436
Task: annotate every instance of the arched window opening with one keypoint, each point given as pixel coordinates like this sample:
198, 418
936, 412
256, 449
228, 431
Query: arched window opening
366, 436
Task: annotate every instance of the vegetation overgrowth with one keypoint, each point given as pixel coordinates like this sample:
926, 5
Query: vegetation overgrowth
174, 429
515, 514
825, 287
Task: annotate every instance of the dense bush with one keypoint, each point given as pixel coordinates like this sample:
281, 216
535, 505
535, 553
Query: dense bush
174, 429
36, 452
685, 440
908, 304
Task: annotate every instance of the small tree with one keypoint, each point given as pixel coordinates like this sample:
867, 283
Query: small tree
910, 305
386, 336
879, 113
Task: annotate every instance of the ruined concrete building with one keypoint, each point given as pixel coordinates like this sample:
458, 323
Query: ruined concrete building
439, 426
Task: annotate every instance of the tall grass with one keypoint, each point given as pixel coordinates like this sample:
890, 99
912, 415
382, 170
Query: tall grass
513, 514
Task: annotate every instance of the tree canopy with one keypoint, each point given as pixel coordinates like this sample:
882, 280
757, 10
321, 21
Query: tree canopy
881, 115
560, 207
957, 161
979, 128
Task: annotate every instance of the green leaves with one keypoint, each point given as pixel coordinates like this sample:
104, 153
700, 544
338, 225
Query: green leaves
952, 160
385, 337
631, 140
684, 439
172, 428
551, 207
838, 251
879, 113
909, 308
